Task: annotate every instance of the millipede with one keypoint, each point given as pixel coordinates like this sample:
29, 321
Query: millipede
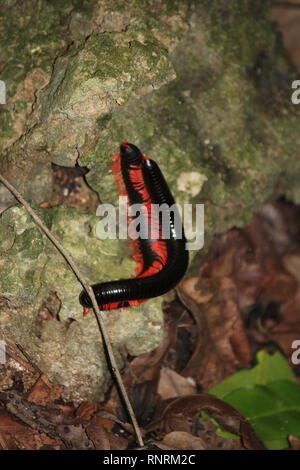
161, 260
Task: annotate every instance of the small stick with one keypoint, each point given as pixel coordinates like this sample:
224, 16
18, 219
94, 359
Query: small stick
101, 324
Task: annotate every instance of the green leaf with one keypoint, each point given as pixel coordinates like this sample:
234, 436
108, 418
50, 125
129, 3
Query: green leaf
219, 431
273, 410
269, 369
226, 434
268, 395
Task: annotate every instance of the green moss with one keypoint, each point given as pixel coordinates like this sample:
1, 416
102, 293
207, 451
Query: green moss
103, 121
30, 32
230, 28
107, 65
5, 122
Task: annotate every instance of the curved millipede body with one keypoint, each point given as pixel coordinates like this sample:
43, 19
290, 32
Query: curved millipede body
162, 260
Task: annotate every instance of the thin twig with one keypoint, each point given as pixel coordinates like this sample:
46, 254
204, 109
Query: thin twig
106, 340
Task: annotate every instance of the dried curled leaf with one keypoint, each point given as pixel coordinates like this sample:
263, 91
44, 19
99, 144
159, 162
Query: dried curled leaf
175, 414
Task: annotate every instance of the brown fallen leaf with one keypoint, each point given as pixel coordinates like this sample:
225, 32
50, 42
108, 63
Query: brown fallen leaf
44, 391
176, 415
101, 432
171, 384
15, 435
86, 410
246, 294
222, 345
48, 420
180, 440
294, 442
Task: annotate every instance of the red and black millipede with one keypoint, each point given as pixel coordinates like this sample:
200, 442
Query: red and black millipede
161, 261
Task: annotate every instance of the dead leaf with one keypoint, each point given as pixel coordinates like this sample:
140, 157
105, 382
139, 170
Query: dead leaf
176, 414
100, 432
294, 442
171, 384
223, 345
179, 440
15, 435
45, 391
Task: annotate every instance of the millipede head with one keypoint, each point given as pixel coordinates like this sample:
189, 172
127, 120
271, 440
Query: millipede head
85, 300
131, 153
